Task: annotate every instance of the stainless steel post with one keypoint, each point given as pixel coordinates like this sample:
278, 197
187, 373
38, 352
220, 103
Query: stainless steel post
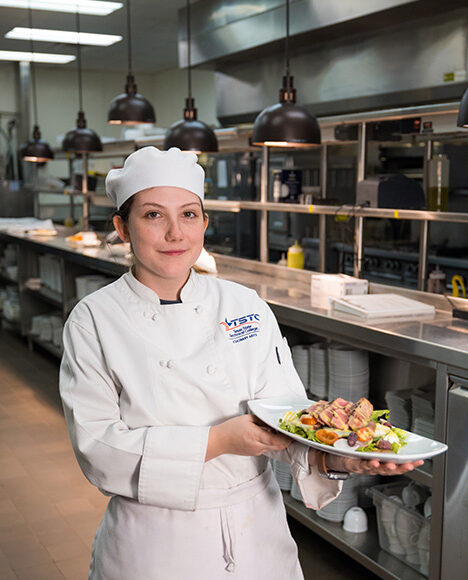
323, 217
359, 221
23, 106
263, 199
362, 152
84, 189
358, 238
72, 187
423, 248
428, 147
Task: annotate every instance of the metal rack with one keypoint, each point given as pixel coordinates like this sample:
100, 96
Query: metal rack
238, 139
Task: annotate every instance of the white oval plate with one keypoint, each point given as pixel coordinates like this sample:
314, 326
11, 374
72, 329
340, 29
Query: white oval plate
271, 410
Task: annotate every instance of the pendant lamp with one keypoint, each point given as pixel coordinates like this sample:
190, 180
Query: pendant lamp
81, 139
286, 124
130, 108
462, 120
35, 150
190, 134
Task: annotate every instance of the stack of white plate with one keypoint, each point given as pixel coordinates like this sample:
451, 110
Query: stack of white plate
423, 413
50, 272
335, 511
318, 371
282, 473
348, 372
399, 405
295, 491
424, 427
300, 356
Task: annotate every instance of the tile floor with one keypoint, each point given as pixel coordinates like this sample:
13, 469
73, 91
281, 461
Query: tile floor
48, 511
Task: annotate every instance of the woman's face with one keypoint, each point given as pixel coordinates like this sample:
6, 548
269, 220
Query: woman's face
166, 228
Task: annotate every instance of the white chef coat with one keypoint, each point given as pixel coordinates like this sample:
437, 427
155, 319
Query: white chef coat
141, 384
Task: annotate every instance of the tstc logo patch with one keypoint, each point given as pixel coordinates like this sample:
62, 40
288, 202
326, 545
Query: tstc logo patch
242, 328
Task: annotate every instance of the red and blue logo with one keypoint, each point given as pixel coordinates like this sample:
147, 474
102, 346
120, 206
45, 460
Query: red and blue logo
242, 328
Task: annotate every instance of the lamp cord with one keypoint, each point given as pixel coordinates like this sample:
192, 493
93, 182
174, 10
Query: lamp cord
78, 54
189, 59
129, 37
287, 38
33, 69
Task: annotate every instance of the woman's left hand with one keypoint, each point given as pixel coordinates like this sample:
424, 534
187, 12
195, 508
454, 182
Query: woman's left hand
369, 466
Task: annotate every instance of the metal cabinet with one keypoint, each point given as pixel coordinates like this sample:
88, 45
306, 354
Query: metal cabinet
455, 529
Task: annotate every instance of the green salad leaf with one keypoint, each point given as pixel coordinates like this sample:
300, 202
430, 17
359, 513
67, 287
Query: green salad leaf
376, 415
299, 431
401, 434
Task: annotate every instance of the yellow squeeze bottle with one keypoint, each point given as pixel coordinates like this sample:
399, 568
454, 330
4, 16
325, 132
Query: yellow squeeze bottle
295, 256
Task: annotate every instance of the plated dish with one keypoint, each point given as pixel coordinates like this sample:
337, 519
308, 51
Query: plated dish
85, 239
281, 414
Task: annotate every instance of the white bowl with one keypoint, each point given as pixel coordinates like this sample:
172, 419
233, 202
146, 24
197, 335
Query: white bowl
355, 520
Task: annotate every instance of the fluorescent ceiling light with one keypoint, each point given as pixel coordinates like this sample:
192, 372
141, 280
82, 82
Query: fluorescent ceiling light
17, 55
66, 36
95, 7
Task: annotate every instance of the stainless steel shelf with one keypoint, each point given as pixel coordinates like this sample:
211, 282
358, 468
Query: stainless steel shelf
364, 547
48, 346
11, 324
422, 474
48, 295
7, 280
349, 211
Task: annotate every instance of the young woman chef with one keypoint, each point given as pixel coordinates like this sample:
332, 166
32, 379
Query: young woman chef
154, 380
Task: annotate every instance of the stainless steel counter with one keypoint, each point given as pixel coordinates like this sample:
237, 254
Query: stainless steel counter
440, 340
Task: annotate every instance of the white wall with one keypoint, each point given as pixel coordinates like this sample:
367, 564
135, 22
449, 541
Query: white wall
57, 92
7, 87
170, 92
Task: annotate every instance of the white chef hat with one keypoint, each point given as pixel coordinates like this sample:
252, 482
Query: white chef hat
150, 167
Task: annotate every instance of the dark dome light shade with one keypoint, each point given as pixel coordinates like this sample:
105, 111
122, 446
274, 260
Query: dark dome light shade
81, 139
36, 150
286, 124
130, 108
189, 134
462, 120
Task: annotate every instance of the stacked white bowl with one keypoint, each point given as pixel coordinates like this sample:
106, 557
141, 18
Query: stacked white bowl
318, 371
335, 511
348, 372
282, 473
300, 356
399, 405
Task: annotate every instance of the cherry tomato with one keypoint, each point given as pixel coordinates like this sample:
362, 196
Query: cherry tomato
326, 436
365, 434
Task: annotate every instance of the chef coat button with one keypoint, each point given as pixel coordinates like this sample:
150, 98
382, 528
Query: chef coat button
211, 369
198, 309
147, 314
154, 317
170, 364
163, 363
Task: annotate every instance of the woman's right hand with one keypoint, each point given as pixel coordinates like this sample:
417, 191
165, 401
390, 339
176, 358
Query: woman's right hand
244, 435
